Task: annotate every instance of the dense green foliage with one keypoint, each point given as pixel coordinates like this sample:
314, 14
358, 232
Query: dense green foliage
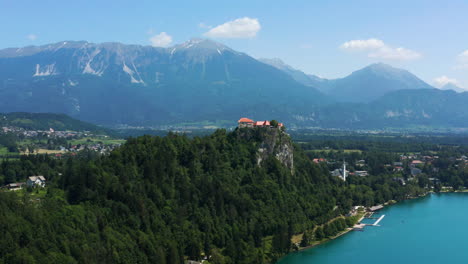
163, 199
9, 141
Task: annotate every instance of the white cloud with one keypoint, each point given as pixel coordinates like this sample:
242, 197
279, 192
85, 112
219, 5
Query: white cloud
363, 45
240, 28
161, 40
463, 56
462, 60
204, 26
444, 80
32, 37
376, 48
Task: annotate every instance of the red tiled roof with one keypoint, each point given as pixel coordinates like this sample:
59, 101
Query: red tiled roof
259, 123
245, 120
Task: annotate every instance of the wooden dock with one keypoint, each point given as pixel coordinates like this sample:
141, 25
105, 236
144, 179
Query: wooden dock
378, 220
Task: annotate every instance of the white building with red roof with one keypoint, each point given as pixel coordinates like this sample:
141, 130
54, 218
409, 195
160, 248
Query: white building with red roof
245, 122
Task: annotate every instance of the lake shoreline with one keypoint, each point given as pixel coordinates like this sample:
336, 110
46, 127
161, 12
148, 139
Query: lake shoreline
402, 220
323, 241
349, 229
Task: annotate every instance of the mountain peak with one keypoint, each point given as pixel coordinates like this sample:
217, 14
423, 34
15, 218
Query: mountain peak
452, 86
200, 43
383, 68
200, 48
374, 81
380, 65
387, 71
277, 63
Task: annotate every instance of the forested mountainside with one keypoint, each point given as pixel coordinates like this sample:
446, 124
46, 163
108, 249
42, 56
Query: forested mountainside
45, 121
165, 199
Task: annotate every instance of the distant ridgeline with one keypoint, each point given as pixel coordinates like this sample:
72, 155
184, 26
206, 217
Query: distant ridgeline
237, 197
203, 83
45, 121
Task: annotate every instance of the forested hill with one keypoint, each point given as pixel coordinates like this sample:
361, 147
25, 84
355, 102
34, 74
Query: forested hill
44, 121
165, 199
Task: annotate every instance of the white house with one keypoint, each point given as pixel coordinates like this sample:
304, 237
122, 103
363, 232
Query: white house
361, 173
39, 181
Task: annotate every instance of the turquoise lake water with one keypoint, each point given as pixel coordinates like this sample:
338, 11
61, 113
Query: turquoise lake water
433, 229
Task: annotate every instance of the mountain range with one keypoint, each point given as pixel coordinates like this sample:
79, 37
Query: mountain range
364, 85
112, 83
202, 81
451, 86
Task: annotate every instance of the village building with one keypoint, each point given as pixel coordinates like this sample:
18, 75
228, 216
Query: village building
400, 180
361, 173
319, 160
434, 180
375, 208
34, 181
14, 186
417, 162
415, 171
336, 173
265, 123
342, 173
259, 123
360, 163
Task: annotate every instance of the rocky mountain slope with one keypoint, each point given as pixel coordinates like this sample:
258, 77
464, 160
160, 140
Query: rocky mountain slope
113, 83
364, 85
204, 82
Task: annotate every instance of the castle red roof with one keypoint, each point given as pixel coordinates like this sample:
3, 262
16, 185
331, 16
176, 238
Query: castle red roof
259, 123
245, 120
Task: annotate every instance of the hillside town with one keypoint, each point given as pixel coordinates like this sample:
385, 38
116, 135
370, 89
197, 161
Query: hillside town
47, 133
23, 141
406, 168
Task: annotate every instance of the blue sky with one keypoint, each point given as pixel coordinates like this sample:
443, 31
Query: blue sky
327, 38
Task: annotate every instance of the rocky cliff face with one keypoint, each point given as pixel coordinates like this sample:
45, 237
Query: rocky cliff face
271, 142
